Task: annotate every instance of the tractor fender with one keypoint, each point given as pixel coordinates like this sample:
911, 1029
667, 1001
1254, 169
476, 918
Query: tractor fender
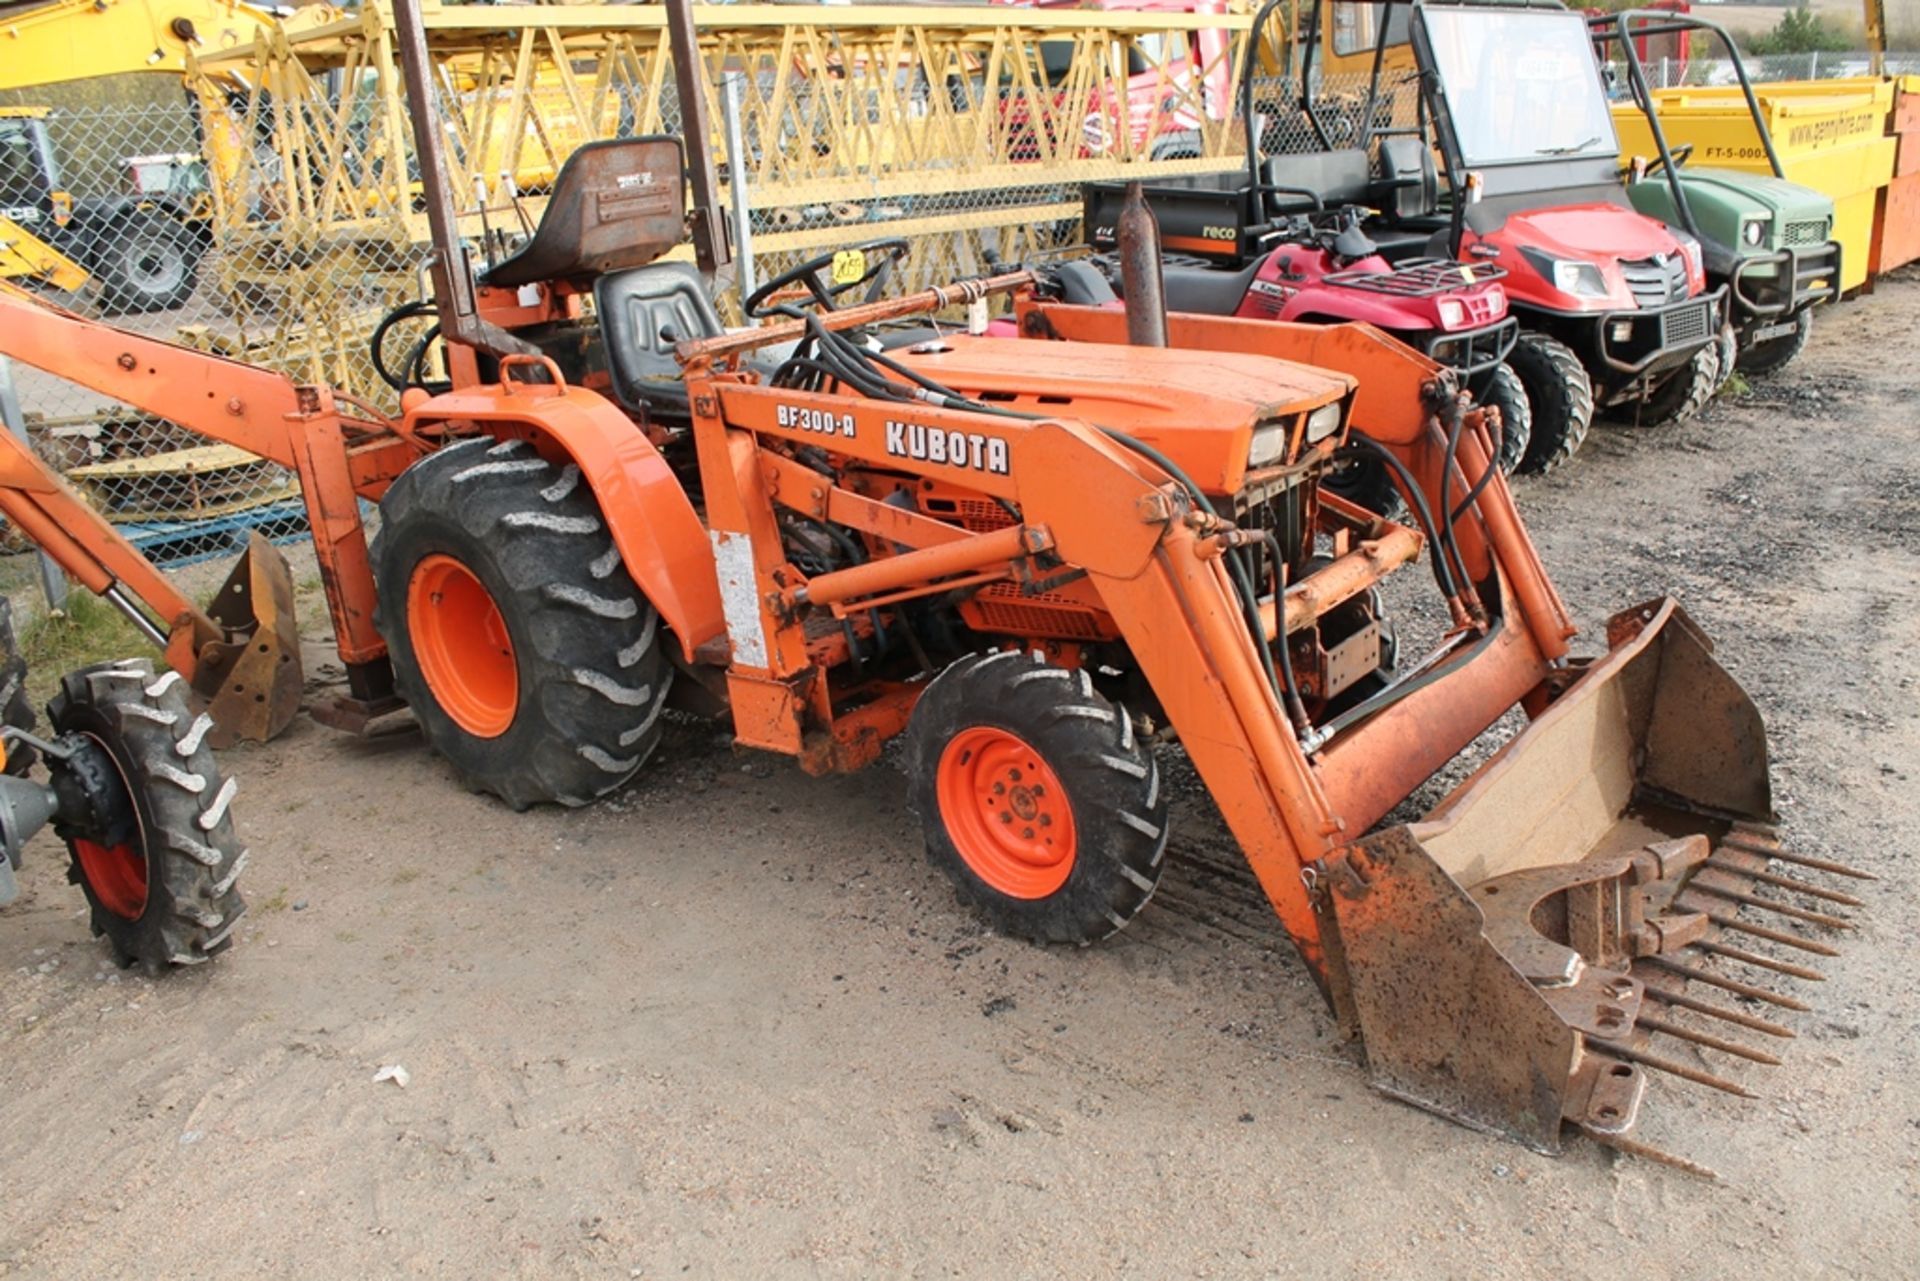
661, 540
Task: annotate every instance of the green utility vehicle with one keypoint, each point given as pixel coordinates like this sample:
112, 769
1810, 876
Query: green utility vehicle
1768, 240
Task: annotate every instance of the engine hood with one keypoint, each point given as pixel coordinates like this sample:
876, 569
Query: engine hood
1200, 408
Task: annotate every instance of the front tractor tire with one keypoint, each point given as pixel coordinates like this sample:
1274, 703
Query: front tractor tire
531, 660
1561, 396
1038, 799
150, 830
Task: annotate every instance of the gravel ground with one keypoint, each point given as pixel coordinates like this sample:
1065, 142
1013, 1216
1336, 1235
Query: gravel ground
730, 1023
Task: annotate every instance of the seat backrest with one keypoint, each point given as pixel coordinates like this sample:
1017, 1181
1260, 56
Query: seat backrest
1337, 177
1410, 183
615, 204
643, 312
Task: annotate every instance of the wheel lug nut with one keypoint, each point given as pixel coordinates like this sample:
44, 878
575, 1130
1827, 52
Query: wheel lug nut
1028, 833
999, 789
1005, 817
1038, 790
1014, 774
1046, 820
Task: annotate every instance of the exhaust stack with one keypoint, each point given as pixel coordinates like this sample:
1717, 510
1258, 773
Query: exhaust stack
1140, 279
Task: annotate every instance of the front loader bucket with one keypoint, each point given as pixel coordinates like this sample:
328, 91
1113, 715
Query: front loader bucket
252, 680
1521, 958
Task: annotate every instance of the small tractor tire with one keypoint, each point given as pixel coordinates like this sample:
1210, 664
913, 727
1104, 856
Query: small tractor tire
532, 661
146, 263
1038, 799
15, 710
1685, 392
153, 847
1775, 354
1561, 396
1500, 388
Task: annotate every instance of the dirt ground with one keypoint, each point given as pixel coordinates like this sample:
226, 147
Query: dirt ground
731, 1023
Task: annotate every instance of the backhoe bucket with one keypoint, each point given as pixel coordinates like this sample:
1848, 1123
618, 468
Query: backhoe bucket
1523, 956
252, 680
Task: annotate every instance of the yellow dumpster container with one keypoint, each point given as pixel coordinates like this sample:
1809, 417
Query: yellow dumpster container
1830, 135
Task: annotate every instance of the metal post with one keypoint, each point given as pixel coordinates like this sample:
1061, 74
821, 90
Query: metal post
53, 579
732, 87
1813, 66
708, 232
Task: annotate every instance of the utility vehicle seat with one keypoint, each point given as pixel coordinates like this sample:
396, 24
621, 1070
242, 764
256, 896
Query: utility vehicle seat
1207, 291
1338, 178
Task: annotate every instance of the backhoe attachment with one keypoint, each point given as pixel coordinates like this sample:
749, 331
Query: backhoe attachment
1522, 957
252, 679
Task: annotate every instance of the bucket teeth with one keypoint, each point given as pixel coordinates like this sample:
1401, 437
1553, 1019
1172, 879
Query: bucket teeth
1728, 921
1720, 863
1654, 1023
1763, 962
1646, 1151
1726, 1014
1771, 905
1750, 840
1750, 990
1673, 1067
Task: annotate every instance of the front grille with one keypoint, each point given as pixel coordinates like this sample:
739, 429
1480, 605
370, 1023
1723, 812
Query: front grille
1805, 233
1686, 324
1655, 282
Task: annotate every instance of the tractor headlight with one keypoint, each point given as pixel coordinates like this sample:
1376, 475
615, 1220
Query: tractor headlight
1324, 422
1269, 444
1753, 231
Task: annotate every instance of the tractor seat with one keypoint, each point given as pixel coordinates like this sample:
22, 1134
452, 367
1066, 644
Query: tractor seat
614, 205
1208, 291
644, 312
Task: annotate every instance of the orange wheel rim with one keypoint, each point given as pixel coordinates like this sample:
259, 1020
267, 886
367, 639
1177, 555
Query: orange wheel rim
1007, 813
462, 645
118, 875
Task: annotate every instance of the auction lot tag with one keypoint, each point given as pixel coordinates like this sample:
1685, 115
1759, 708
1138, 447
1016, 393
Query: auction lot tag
848, 266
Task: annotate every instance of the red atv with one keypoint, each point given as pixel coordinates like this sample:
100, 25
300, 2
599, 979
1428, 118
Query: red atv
1614, 306
1319, 266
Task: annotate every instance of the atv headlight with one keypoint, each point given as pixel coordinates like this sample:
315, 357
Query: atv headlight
1324, 422
1453, 313
1690, 250
1753, 231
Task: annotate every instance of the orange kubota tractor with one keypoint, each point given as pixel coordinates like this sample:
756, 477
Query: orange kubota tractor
1022, 554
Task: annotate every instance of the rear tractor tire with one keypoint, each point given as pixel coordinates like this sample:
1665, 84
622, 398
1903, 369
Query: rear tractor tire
1038, 799
1561, 396
1500, 388
156, 853
532, 661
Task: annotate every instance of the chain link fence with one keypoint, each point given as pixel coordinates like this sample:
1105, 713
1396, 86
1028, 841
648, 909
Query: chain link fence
279, 229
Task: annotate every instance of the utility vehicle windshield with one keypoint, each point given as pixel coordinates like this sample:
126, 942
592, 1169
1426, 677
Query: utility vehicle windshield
1521, 84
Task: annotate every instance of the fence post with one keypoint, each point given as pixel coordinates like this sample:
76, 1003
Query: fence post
730, 90
53, 579
1813, 66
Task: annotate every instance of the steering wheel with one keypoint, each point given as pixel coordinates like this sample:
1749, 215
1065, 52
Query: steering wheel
1679, 154
848, 269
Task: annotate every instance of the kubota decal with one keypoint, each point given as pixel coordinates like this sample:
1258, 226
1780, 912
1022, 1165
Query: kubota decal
939, 445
